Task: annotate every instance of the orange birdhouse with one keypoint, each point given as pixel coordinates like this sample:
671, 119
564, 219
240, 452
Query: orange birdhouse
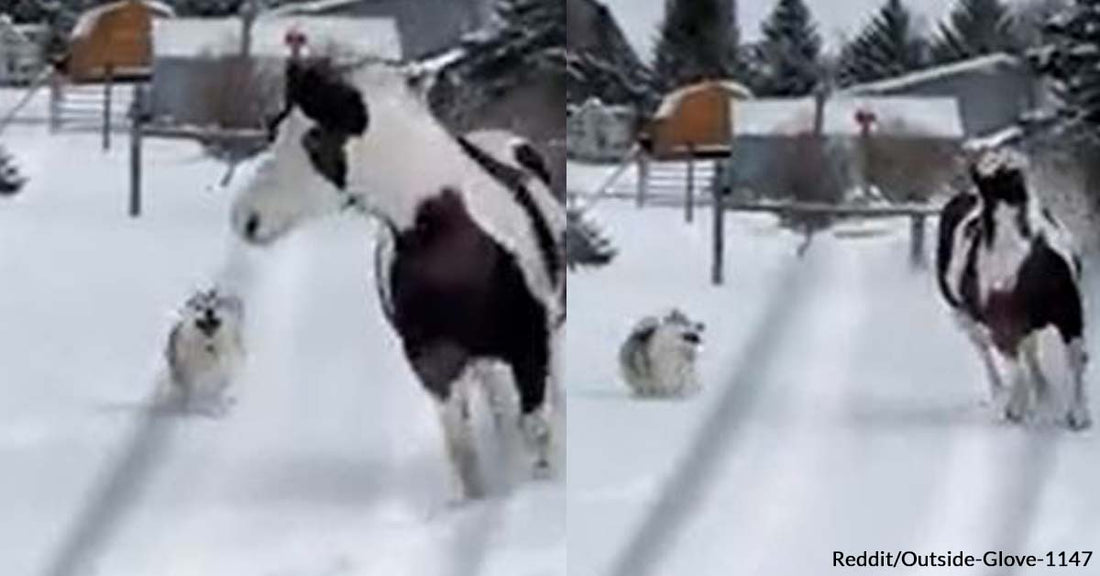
115, 37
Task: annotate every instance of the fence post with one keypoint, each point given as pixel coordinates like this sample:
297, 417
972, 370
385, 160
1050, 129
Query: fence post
916, 240
643, 178
689, 202
717, 272
107, 82
135, 150
56, 94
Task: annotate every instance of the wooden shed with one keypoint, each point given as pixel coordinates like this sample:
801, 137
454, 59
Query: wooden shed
695, 118
116, 36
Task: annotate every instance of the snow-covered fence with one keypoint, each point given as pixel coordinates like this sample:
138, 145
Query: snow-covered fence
918, 215
140, 130
99, 106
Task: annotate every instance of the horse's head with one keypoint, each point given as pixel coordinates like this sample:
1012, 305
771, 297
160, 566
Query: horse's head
305, 173
999, 175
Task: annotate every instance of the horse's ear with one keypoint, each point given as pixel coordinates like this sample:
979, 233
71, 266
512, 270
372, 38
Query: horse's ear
326, 97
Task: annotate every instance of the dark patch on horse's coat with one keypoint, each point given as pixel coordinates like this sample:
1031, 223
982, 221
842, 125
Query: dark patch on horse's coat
952, 214
326, 152
457, 295
529, 158
516, 181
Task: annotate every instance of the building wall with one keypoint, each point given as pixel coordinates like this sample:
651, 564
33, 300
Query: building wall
989, 99
598, 133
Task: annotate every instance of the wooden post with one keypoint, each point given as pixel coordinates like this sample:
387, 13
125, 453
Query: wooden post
108, 80
916, 240
717, 273
56, 96
689, 201
135, 151
643, 178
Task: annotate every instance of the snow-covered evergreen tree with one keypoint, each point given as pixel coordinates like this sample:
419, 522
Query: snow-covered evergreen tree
787, 61
975, 28
585, 243
1071, 57
889, 45
11, 181
526, 47
208, 8
698, 40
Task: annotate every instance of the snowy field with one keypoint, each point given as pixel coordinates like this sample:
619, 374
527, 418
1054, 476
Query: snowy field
331, 463
842, 411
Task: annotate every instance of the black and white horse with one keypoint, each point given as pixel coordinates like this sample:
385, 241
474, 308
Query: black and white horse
1009, 270
470, 263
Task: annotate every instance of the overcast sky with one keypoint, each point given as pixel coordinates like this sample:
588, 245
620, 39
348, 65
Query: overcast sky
640, 18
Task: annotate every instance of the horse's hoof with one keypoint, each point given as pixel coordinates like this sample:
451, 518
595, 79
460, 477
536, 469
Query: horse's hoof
542, 470
1014, 416
1078, 421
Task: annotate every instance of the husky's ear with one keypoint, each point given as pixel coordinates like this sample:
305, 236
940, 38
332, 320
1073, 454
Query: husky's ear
327, 98
645, 329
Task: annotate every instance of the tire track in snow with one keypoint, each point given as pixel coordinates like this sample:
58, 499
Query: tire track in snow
695, 474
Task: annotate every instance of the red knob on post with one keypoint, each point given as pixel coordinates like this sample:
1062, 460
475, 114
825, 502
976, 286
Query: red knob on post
296, 39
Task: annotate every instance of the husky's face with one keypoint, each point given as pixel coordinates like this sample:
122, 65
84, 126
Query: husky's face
686, 333
210, 312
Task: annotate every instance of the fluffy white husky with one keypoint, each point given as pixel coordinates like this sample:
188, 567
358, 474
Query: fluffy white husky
658, 358
204, 352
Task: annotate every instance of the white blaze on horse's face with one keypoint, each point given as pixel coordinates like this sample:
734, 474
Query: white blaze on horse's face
286, 189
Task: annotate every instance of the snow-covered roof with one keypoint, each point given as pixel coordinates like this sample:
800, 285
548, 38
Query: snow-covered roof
195, 37
910, 116
673, 99
87, 21
982, 64
315, 7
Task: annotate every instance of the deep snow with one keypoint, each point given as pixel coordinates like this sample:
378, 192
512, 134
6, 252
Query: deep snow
331, 463
858, 418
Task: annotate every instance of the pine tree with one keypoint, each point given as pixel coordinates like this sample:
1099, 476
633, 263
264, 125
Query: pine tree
698, 41
208, 8
787, 62
887, 46
975, 28
1072, 59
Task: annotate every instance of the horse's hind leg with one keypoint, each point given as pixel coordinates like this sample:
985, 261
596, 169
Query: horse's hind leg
1078, 417
441, 369
532, 377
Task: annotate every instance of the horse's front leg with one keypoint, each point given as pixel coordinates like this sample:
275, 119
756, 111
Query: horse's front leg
984, 345
441, 368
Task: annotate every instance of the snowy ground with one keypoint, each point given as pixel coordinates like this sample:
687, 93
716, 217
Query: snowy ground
855, 418
331, 464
